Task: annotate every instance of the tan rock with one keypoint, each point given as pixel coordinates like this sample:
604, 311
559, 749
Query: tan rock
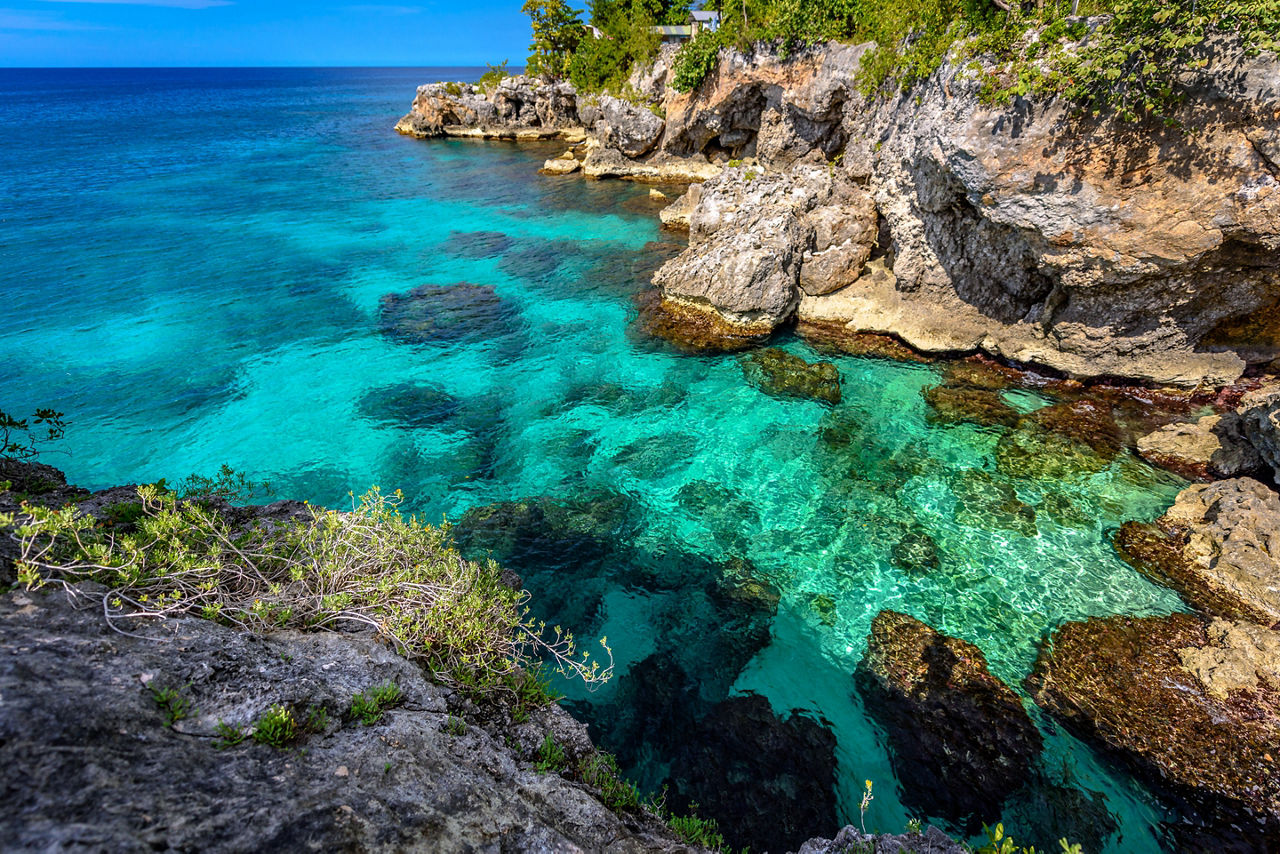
1209, 448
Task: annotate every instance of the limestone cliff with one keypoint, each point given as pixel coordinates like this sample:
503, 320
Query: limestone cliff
1092, 246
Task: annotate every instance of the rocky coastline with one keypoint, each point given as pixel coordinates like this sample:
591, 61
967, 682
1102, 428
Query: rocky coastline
1130, 271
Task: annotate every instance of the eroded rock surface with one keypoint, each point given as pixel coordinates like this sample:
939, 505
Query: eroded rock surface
518, 108
90, 764
783, 374
1218, 546
1193, 706
1206, 449
962, 741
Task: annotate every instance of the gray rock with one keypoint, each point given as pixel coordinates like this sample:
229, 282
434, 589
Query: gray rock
1208, 448
90, 764
518, 108
1259, 413
850, 838
632, 130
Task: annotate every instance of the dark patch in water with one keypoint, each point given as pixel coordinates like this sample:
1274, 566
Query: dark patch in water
478, 244
454, 314
409, 405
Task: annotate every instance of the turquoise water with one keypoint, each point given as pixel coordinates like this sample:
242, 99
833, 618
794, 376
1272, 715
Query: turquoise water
194, 266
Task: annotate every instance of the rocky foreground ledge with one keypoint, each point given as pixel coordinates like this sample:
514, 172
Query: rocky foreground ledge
1094, 247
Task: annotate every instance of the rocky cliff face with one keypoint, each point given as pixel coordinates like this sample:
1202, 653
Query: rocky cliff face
1027, 231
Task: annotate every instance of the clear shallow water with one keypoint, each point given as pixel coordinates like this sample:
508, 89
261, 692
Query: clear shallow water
192, 266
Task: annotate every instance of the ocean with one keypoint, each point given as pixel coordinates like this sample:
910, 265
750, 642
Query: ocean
225, 266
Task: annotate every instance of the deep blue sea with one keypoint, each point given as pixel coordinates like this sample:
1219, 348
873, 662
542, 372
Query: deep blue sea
210, 266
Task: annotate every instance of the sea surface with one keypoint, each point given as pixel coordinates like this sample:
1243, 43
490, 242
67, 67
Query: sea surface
219, 266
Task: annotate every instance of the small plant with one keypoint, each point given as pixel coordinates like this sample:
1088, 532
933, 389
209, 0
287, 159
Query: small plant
20, 437
229, 736
600, 771
867, 798
455, 725
368, 706
454, 89
229, 485
750, 175
123, 515
496, 74
915, 827
277, 727
998, 843
532, 690
735, 163
317, 719
550, 757
697, 831
170, 700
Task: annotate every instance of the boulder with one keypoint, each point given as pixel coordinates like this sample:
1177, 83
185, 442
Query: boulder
560, 166
1193, 706
92, 761
678, 213
518, 108
631, 129
850, 838
1218, 546
1206, 449
1259, 413
962, 741
780, 373
843, 236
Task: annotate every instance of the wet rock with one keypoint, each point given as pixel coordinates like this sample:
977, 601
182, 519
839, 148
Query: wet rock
1208, 448
984, 501
833, 338
409, 405
119, 779
952, 405
561, 165
1087, 422
1218, 546
825, 608
655, 456
1034, 453
1047, 811
841, 428
1067, 510
769, 782
1192, 706
962, 742
780, 373
916, 552
691, 328
980, 373
741, 584
456, 313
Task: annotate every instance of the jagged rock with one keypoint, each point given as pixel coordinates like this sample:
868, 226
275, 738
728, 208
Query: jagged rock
1206, 449
1218, 546
962, 742
518, 108
649, 81
1193, 706
678, 213
630, 129
560, 166
843, 238
658, 168
692, 328
1259, 413
851, 839
90, 763
778, 372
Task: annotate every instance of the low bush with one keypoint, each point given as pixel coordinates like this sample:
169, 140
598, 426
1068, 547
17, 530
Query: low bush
367, 567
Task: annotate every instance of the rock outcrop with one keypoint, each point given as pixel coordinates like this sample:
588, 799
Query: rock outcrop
517, 108
1218, 547
1192, 705
1259, 414
93, 761
962, 742
1206, 449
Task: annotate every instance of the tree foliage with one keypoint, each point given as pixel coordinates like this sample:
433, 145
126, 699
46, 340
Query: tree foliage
557, 30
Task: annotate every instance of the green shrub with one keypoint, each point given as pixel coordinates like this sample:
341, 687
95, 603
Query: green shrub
550, 757
20, 437
704, 832
228, 485
496, 74
171, 702
229, 736
696, 59
367, 567
276, 728
368, 706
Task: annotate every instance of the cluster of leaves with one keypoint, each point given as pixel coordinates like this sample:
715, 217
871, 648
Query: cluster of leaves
493, 76
20, 437
370, 566
367, 706
1124, 62
998, 843
695, 830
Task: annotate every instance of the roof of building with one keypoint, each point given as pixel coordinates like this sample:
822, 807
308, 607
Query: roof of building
675, 29
705, 16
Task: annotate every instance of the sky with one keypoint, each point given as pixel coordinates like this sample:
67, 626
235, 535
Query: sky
129, 33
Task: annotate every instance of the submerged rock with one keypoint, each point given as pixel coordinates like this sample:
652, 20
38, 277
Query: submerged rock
778, 372
692, 328
962, 742
958, 405
985, 501
431, 313
916, 552
1034, 453
479, 244
1218, 546
120, 779
1206, 449
1193, 706
409, 405
1086, 422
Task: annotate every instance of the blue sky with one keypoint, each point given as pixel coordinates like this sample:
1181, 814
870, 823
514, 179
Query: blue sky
260, 32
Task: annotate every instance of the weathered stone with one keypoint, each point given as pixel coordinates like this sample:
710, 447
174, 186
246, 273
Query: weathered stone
850, 839
1218, 547
91, 764
632, 130
1194, 707
951, 405
518, 108
693, 328
778, 372
560, 166
461, 312
843, 238
1259, 413
676, 215
916, 552
962, 742
1206, 449
833, 338
1034, 453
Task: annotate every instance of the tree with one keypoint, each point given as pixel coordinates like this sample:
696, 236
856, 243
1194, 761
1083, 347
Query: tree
557, 29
